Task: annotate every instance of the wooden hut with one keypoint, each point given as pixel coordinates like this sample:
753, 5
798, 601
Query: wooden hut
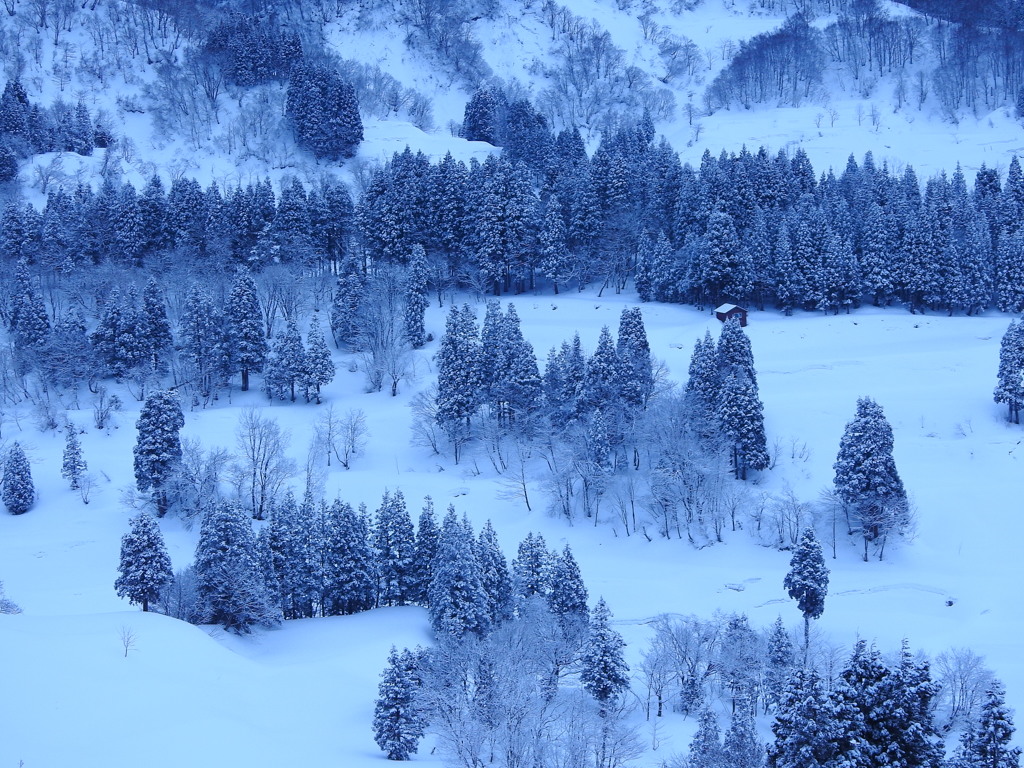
726, 311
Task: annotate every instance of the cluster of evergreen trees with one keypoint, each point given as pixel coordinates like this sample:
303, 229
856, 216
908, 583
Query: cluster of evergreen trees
133, 341
27, 128
319, 559
207, 230
747, 228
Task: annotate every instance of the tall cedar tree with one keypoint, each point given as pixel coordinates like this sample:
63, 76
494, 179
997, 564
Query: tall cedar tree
1010, 379
19, 493
807, 581
459, 376
244, 320
398, 719
866, 479
319, 368
457, 602
158, 446
986, 743
73, 467
417, 298
395, 545
228, 575
145, 568
604, 673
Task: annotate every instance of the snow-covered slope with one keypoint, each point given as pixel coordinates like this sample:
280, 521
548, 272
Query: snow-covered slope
303, 694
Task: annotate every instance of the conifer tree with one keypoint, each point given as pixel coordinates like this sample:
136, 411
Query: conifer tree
74, 466
201, 337
778, 664
348, 574
399, 721
634, 353
457, 603
805, 727
741, 416
426, 550
417, 284
459, 376
706, 745
495, 577
395, 546
807, 581
555, 260
866, 479
145, 568
986, 743
319, 368
741, 747
286, 364
348, 293
18, 492
158, 447
532, 568
568, 595
604, 672
154, 327
1010, 379
244, 321
228, 576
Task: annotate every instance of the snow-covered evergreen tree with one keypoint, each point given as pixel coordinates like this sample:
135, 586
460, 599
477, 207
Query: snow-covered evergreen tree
1010, 378
244, 321
567, 597
18, 492
426, 549
395, 546
604, 672
741, 416
319, 368
495, 577
459, 376
532, 567
805, 728
635, 365
73, 467
779, 665
866, 479
286, 365
807, 581
741, 747
986, 743
154, 327
158, 446
457, 602
399, 720
228, 576
417, 299
145, 568
706, 745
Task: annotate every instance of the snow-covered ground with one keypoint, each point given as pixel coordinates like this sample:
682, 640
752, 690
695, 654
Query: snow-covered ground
303, 694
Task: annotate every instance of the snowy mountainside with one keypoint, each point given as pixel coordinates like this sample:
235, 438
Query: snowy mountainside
663, 56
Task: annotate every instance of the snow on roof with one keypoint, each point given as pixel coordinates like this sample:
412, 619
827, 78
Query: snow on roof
727, 308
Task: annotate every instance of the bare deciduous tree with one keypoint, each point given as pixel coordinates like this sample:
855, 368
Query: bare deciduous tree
264, 467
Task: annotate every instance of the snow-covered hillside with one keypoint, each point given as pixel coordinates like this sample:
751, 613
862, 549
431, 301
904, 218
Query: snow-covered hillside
303, 693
